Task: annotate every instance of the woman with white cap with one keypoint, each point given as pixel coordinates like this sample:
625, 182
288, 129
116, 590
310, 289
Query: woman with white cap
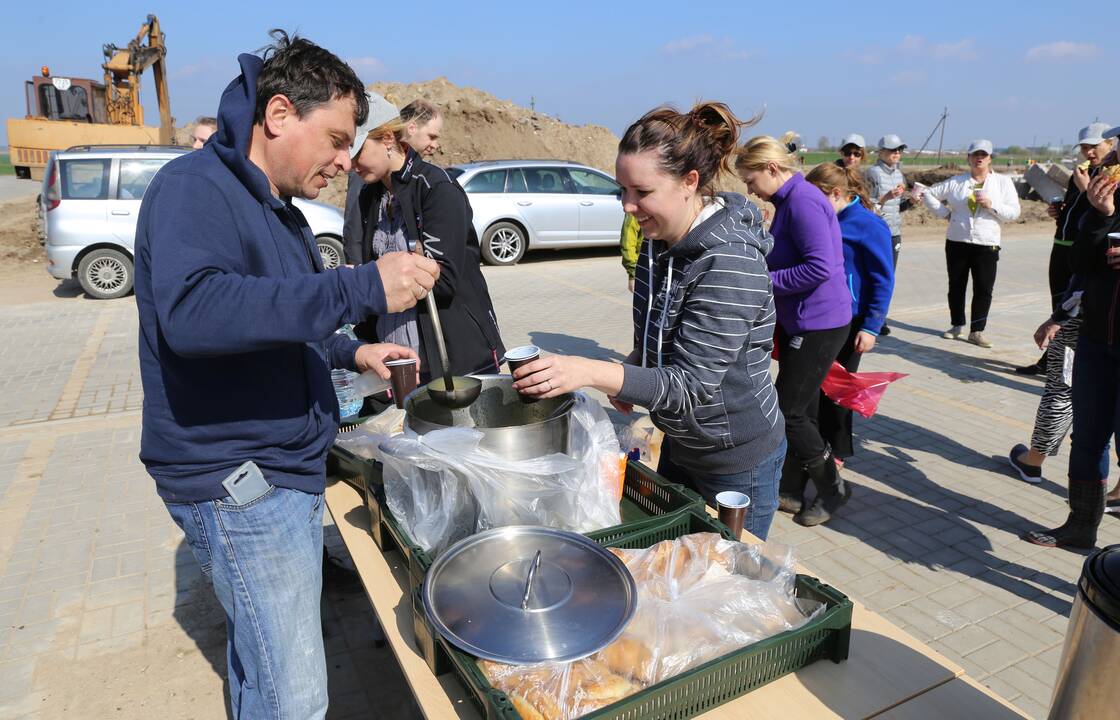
1058, 335
851, 151
1067, 212
1096, 366
887, 186
405, 198
977, 203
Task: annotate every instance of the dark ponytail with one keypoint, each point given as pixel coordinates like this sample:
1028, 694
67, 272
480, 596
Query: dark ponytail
703, 139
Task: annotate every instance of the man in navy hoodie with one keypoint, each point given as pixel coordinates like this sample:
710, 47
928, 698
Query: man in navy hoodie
237, 321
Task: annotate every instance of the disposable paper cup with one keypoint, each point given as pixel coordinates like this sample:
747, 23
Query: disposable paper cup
519, 356
402, 375
732, 507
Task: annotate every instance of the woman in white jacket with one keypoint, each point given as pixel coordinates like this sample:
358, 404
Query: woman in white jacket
976, 203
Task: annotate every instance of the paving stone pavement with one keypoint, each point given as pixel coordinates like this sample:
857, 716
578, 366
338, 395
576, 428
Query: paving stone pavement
95, 576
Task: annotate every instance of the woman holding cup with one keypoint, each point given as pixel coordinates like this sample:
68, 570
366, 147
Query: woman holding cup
703, 315
1096, 366
405, 198
976, 203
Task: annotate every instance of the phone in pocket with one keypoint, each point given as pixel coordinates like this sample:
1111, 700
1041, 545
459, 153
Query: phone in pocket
246, 483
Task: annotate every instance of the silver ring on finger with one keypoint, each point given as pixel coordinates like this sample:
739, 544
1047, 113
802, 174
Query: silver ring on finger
549, 385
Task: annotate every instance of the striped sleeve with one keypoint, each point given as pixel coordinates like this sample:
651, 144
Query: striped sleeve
728, 291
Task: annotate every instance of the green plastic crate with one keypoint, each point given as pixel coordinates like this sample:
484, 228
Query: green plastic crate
647, 498
702, 688
358, 471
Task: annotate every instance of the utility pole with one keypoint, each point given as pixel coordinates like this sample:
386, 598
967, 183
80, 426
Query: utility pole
941, 122
941, 140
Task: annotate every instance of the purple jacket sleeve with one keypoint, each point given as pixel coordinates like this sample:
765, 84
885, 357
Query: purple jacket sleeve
817, 240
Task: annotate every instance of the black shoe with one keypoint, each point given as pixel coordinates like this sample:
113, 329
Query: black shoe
1033, 369
1112, 506
1029, 473
884, 331
789, 503
822, 508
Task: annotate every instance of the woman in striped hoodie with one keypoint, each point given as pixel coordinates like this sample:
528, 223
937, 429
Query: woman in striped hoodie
703, 315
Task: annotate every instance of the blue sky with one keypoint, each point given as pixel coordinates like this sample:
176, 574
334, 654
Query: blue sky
1016, 72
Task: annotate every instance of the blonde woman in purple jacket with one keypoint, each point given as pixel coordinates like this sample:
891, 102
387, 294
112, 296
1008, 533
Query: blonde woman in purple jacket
814, 312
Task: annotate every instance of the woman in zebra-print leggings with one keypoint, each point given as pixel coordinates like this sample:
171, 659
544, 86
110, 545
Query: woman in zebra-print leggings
1058, 336
1055, 410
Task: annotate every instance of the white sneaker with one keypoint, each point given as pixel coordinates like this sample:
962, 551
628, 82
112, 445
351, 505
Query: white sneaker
977, 338
953, 333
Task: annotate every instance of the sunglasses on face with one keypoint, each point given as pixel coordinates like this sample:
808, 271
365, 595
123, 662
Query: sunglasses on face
853, 153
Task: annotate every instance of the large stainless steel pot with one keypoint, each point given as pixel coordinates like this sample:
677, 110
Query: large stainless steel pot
510, 428
1092, 648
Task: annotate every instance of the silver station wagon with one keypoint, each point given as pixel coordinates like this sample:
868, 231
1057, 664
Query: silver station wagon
88, 207
524, 205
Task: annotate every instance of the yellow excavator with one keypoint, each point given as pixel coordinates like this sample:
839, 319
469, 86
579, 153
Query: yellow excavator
64, 112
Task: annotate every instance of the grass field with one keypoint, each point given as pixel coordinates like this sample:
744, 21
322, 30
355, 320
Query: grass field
5, 165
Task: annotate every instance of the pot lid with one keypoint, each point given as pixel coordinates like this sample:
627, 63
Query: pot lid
523, 595
1100, 581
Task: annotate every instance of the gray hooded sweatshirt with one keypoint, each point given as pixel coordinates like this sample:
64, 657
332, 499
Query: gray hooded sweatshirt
702, 341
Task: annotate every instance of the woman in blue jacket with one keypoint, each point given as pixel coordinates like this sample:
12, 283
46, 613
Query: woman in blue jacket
869, 271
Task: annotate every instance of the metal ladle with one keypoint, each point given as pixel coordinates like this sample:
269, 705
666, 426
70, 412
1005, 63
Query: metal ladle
449, 391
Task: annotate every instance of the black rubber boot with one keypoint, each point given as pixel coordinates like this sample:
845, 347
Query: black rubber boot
791, 489
1086, 504
832, 491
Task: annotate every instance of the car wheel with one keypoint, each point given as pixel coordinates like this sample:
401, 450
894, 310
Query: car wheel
503, 243
105, 274
330, 249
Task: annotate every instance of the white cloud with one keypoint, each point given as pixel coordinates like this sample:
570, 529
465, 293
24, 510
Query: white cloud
719, 48
964, 49
687, 44
366, 65
1062, 50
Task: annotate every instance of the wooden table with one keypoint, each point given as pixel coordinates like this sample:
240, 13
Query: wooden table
886, 670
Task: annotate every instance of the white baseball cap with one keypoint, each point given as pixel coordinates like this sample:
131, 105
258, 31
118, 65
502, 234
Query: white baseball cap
381, 111
853, 139
1094, 134
891, 142
980, 146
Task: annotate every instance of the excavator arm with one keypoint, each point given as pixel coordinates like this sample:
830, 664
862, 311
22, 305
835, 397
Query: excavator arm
123, 68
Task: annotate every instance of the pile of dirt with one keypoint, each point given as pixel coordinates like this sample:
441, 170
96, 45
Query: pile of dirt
479, 126
19, 231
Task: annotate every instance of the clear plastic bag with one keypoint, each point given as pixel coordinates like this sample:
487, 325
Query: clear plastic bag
443, 487
699, 597
365, 439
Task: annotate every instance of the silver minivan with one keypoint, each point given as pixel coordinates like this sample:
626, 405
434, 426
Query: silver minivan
522, 205
88, 207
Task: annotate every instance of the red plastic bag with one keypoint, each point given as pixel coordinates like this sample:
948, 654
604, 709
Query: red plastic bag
859, 391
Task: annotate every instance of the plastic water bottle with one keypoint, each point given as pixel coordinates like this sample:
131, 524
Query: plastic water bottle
349, 399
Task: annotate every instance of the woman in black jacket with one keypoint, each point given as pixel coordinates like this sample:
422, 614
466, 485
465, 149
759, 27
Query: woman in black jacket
404, 198
1096, 366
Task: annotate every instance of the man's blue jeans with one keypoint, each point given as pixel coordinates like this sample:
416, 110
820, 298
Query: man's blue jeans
265, 560
759, 483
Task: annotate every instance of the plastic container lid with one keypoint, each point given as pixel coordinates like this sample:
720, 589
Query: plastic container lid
1100, 582
523, 595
